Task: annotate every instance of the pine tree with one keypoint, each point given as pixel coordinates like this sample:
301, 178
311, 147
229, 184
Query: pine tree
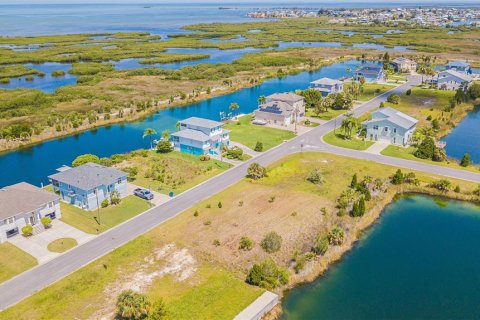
361, 207
354, 182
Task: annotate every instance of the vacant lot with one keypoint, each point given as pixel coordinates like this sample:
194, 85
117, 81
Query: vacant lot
249, 134
14, 261
336, 138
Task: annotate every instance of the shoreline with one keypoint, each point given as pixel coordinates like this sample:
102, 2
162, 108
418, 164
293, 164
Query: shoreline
318, 267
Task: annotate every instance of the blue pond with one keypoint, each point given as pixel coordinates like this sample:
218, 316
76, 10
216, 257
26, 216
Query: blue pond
33, 164
465, 138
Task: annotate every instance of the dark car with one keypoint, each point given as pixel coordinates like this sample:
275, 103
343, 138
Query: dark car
143, 193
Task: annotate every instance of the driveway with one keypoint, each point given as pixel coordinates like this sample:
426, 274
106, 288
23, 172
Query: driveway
158, 198
37, 245
378, 146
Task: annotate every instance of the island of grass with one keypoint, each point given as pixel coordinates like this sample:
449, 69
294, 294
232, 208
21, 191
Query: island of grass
339, 139
203, 243
58, 73
62, 245
14, 261
248, 134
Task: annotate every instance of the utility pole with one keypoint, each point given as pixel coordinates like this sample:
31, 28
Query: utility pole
98, 206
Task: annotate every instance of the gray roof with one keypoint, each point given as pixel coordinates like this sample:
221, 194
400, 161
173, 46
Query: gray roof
201, 122
457, 63
453, 73
23, 198
196, 135
401, 60
327, 81
276, 107
285, 97
88, 176
394, 116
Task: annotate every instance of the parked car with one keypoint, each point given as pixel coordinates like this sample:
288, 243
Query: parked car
143, 193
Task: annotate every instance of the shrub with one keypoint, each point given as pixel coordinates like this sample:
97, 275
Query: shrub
259, 146
267, 275
216, 243
441, 185
435, 124
272, 242
246, 244
439, 155
301, 261
256, 171
85, 158
27, 230
104, 203
219, 204
204, 157
115, 197
164, 146
321, 246
207, 223
409, 92
354, 182
46, 222
457, 189
394, 98
426, 149
195, 214
132, 305
466, 160
335, 236
397, 178
159, 311
382, 105
233, 153
315, 176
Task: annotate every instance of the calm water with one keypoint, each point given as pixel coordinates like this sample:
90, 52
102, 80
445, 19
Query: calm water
34, 164
420, 262
465, 138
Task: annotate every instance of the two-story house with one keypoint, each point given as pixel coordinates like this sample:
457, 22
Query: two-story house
22, 204
459, 66
371, 73
327, 86
452, 80
86, 186
390, 125
402, 64
200, 136
281, 108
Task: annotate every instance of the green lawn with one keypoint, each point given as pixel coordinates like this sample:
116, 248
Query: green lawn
371, 90
62, 245
14, 261
249, 134
328, 115
407, 153
337, 139
111, 216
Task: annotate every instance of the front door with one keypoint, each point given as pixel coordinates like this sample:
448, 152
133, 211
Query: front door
33, 220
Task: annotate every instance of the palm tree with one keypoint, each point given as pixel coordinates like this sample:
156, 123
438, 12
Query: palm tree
149, 132
349, 123
234, 106
132, 305
165, 135
178, 125
262, 100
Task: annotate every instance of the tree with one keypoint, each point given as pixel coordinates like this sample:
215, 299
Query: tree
397, 178
441, 185
466, 160
166, 135
348, 125
159, 311
255, 171
262, 100
259, 146
149, 132
354, 182
271, 242
335, 236
394, 98
321, 245
234, 107
27, 230
164, 146
474, 91
46, 222
104, 203
426, 149
85, 158
132, 305
246, 244
267, 275
313, 98
315, 176
115, 197
178, 125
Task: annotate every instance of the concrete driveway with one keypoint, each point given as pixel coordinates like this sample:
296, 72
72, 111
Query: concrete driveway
158, 198
378, 146
37, 245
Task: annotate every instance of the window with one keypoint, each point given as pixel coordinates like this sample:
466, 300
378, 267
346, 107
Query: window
386, 129
375, 127
9, 220
119, 180
394, 130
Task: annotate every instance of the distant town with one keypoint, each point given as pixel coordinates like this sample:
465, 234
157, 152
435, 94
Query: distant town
421, 16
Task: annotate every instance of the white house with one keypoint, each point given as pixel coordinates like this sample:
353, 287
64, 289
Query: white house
86, 186
390, 125
281, 109
200, 136
452, 80
402, 64
327, 86
460, 66
22, 204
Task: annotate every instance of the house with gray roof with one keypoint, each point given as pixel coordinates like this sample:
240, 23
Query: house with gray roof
452, 80
281, 109
459, 66
402, 64
22, 204
86, 186
200, 136
388, 124
327, 86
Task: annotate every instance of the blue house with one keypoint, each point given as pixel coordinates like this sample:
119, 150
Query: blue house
200, 136
459, 66
327, 86
390, 125
371, 73
86, 186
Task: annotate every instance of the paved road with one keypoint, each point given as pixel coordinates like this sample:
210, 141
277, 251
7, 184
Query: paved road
35, 279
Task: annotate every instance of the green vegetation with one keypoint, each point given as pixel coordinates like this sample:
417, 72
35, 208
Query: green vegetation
58, 73
249, 134
62, 245
132, 305
14, 71
14, 261
92, 222
272, 242
339, 140
256, 171
370, 90
91, 68
267, 275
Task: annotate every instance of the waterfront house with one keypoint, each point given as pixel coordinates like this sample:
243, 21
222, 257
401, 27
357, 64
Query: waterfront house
371, 73
86, 186
402, 64
327, 86
282, 109
388, 124
200, 136
452, 80
460, 66
22, 204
